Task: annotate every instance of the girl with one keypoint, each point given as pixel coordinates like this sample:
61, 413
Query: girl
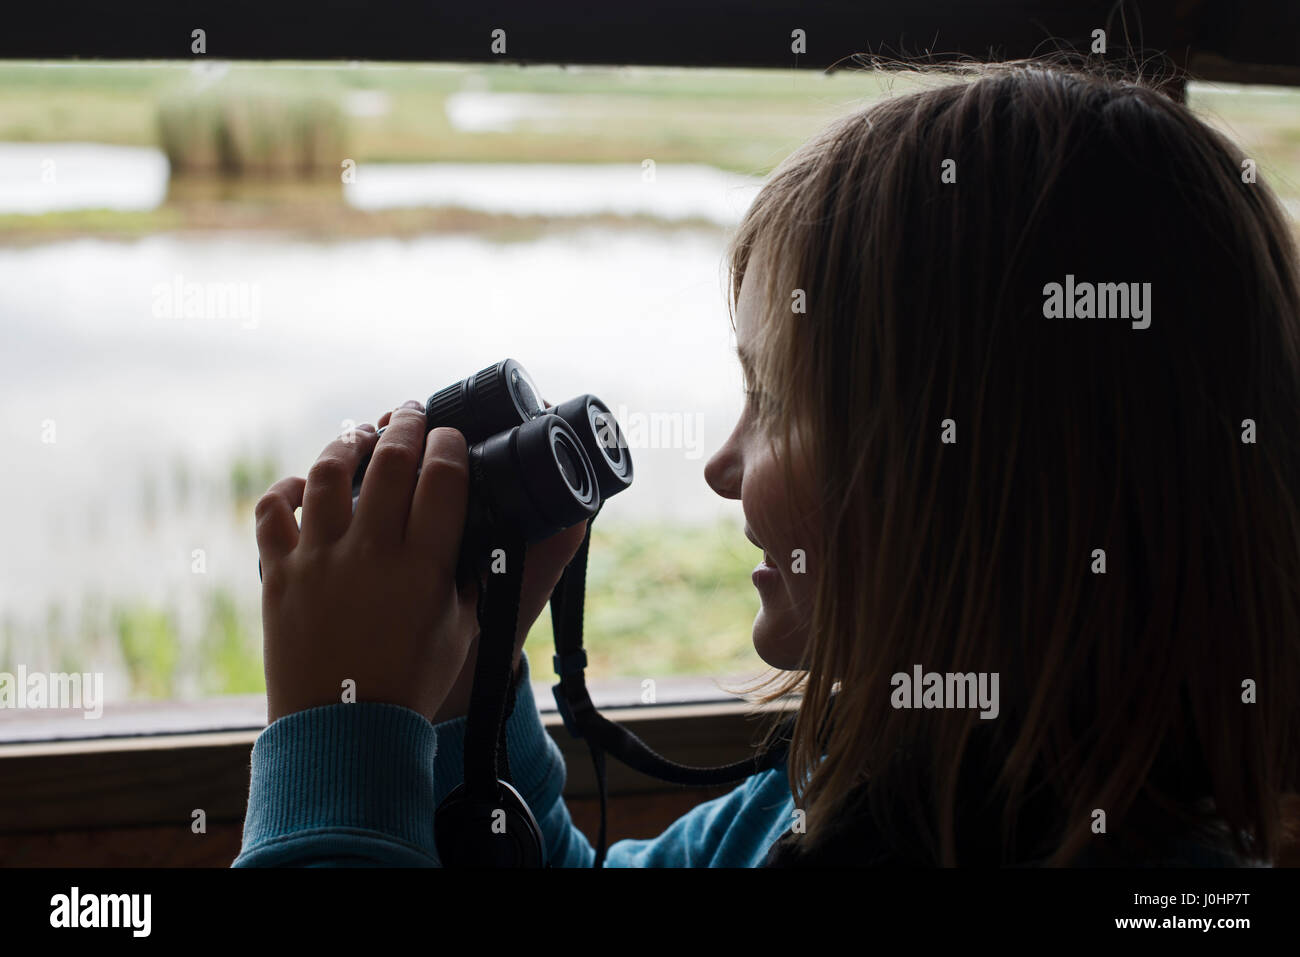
1020, 448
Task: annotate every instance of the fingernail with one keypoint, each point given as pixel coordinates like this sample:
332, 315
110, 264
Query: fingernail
365, 427
411, 404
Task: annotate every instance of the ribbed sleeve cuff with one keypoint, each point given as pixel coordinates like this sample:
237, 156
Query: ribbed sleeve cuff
536, 765
364, 767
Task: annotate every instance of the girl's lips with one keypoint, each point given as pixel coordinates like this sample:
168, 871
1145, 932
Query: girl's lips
765, 574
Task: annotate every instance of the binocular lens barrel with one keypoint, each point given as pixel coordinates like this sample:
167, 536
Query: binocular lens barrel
492, 400
534, 479
601, 439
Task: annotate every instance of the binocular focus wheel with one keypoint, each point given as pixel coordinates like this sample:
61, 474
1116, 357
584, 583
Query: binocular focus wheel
480, 832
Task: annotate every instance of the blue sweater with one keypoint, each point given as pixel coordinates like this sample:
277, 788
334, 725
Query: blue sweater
358, 784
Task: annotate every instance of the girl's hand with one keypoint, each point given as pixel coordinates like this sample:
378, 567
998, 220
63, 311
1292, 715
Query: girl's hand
369, 597
543, 564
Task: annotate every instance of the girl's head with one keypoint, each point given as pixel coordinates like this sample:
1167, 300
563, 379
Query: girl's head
951, 466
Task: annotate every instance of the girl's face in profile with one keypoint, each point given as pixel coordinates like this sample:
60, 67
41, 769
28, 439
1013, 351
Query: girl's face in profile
747, 468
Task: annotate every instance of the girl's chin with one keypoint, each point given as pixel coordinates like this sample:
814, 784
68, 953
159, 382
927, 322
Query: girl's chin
778, 640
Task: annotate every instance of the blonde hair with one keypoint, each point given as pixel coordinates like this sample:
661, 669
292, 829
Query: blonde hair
1120, 691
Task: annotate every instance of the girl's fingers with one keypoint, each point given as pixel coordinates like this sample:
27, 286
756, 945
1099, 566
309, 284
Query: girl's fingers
438, 509
277, 530
327, 499
386, 490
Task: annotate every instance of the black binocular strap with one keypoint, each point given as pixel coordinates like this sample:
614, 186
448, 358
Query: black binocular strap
568, 600
603, 735
493, 697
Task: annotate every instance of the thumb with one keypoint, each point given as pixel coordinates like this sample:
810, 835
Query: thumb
548, 558
543, 567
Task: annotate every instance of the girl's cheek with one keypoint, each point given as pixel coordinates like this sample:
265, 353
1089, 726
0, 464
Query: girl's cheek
805, 531
770, 516
780, 517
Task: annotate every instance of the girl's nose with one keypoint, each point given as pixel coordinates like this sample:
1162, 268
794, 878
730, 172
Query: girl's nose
725, 469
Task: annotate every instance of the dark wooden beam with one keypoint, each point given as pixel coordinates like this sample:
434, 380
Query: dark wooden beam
1246, 35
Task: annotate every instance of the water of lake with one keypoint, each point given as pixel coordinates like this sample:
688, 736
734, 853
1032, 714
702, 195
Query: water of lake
124, 409
133, 374
46, 177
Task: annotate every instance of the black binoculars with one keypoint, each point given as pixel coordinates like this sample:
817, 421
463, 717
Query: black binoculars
533, 470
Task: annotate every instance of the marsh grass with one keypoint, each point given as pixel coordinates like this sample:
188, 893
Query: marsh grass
661, 601
242, 133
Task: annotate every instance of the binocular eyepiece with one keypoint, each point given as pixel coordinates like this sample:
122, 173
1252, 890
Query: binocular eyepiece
534, 471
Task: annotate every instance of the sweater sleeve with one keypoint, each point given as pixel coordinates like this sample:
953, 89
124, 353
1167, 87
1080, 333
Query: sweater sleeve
358, 785
342, 785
